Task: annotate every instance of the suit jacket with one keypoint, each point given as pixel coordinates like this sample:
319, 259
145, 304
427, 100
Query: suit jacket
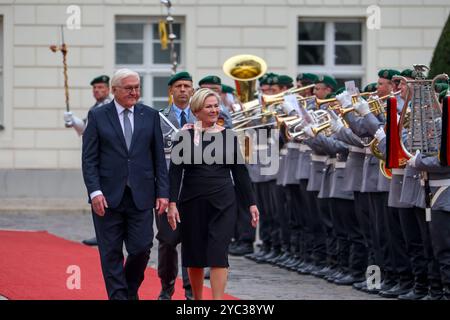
108, 164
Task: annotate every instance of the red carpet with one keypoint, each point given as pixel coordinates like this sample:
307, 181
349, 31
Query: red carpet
34, 267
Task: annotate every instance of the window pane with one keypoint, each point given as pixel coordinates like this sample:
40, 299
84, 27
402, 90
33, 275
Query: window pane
348, 54
311, 55
160, 86
341, 82
158, 105
311, 31
129, 53
129, 31
163, 56
176, 30
348, 31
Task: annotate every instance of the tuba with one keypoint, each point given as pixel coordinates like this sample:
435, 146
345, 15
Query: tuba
244, 69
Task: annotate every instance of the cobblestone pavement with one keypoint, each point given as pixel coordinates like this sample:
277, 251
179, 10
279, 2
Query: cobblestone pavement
247, 280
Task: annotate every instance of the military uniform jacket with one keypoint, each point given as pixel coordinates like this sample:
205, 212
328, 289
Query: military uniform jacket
353, 171
304, 163
167, 130
439, 179
262, 154
291, 165
317, 168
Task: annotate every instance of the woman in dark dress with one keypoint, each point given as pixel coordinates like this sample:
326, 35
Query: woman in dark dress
206, 167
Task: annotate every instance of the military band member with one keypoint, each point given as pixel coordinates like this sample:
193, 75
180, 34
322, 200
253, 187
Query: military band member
180, 89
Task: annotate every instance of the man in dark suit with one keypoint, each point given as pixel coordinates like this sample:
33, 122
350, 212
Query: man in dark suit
126, 177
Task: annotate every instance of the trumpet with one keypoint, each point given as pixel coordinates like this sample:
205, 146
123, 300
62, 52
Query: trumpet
269, 99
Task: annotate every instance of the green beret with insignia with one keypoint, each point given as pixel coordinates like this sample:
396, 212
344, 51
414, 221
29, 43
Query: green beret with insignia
183, 75
210, 80
227, 89
263, 80
371, 87
274, 79
285, 80
100, 79
328, 81
388, 73
307, 78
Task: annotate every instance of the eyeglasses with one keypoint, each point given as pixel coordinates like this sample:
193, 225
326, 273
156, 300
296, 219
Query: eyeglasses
130, 89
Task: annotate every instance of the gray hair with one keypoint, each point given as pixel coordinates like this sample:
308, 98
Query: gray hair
121, 74
199, 97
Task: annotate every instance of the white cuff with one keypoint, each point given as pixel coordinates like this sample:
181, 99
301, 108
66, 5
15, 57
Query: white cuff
95, 193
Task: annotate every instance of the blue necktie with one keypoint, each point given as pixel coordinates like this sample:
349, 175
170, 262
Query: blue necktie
183, 119
128, 132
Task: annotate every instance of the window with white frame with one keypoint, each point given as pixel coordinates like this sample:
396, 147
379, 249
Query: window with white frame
332, 47
2, 110
138, 47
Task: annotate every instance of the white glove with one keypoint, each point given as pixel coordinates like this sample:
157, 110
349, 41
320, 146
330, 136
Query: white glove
308, 131
380, 134
74, 122
345, 99
412, 160
336, 122
362, 108
68, 119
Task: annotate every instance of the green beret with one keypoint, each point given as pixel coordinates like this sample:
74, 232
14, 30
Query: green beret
183, 75
227, 89
408, 73
327, 80
388, 73
273, 78
442, 95
371, 87
263, 80
307, 78
285, 80
439, 87
339, 91
210, 80
100, 79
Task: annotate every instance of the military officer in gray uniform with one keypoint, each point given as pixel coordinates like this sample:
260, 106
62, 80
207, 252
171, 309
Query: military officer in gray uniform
100, 91
439, 183
174, 116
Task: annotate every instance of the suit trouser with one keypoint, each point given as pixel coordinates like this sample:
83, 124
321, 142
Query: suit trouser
363, 217
352, 240
126, 224
319, 247
168, 254
440, 235
268, 225
433, 270
295, 220
415, 247
306, 241
398, 248
329, 225
244, 232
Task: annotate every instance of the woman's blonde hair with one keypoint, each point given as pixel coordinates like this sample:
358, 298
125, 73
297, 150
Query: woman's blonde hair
199, 97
